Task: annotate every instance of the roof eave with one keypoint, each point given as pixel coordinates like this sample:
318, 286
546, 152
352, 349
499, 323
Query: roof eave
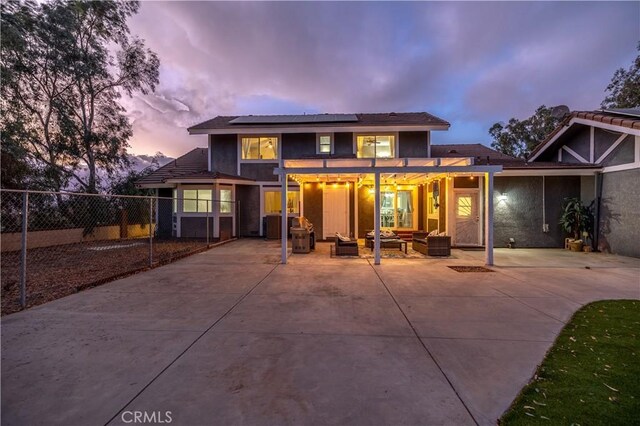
317, 129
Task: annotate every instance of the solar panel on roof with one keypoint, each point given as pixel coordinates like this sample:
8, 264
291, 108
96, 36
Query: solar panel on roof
295, 119
631, 112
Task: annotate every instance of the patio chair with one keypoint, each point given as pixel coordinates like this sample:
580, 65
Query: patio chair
346, 246
431, 245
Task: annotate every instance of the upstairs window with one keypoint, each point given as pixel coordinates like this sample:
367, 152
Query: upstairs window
260, 148
376, 146
325, 144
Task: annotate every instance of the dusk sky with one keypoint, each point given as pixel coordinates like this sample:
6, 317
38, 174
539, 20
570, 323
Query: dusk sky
472, 64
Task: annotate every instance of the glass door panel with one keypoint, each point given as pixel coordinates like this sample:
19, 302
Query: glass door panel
405, 209
387, 209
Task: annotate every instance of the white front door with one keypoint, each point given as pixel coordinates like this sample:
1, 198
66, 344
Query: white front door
467, 218
335, 210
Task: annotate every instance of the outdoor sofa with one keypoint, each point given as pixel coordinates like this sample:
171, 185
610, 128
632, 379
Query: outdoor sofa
431, 245
346, 246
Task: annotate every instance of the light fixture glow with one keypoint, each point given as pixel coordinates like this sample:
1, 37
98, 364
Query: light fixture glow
502, 197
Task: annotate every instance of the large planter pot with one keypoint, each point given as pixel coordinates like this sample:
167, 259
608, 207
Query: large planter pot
576, 245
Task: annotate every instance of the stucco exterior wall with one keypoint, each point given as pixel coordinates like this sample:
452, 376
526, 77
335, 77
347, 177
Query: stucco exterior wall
520, 216
620, 213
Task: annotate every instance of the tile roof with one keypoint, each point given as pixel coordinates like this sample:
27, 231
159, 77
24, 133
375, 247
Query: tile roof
483, 155
193, 165
364, 119
622, 119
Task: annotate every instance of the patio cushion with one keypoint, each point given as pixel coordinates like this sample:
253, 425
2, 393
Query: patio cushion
342, 237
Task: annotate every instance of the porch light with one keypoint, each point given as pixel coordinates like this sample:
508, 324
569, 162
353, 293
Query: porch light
502, 197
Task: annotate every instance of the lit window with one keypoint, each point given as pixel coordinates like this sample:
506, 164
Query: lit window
175, 201
225, 201
260, 148
325, 143
196, 200
272, 202
464, 206
376, 146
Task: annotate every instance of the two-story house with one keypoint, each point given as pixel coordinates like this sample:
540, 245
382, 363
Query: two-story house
335, 166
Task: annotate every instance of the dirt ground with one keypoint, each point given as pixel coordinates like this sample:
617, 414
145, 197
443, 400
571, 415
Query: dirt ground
57, 271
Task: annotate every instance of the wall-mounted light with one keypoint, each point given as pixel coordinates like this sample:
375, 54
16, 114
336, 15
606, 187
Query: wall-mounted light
502, 197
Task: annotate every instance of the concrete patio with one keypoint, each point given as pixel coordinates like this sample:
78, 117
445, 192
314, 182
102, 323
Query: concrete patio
229, 336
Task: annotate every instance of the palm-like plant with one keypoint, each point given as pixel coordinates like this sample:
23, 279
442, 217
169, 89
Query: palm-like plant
577, 218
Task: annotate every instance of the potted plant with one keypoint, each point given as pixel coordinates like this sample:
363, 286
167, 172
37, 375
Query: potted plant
577, 219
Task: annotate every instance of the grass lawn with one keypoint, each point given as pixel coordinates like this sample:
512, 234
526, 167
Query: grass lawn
591, 375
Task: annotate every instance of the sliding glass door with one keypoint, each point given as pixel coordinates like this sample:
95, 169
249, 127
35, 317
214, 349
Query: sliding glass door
397, 209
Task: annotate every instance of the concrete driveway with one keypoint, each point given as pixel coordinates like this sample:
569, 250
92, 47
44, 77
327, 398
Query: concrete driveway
230, 337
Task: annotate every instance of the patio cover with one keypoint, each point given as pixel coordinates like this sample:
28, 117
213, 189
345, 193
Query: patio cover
366, 166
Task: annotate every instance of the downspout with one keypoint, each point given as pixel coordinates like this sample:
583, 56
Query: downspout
544, 206
596, 219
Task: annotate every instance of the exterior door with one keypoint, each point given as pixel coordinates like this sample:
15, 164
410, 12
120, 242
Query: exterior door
335, 210
467, 217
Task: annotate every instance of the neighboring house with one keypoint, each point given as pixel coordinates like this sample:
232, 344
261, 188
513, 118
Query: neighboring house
332, 161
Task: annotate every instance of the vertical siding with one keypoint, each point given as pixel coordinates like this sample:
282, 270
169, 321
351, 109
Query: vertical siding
298, 145
248, 197
224, 153
413, 144
312, 194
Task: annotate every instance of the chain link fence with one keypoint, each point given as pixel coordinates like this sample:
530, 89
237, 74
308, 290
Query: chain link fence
55, 244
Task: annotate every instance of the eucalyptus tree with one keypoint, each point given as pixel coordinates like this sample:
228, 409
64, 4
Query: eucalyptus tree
65, 66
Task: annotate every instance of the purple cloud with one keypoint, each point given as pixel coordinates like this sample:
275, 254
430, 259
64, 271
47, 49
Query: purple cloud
471, 63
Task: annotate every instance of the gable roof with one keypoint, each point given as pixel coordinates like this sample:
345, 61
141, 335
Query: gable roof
484, 155
399, 119
192, 165
627, 118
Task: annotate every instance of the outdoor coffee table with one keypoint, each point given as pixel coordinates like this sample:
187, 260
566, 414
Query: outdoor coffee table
390, 243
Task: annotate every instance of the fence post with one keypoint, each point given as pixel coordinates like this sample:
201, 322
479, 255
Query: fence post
208, 206
23, 261
150, 231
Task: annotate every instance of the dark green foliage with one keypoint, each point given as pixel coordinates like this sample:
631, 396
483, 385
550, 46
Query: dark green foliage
518, 137
591, 375
65, 65
624, 89
577, 218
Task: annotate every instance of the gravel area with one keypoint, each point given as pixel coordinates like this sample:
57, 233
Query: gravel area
57, 271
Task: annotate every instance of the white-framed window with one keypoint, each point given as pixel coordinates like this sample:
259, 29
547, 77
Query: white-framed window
259, 147
175, 200
225, 201
196, 200
324, 143
272, 202
376, 146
